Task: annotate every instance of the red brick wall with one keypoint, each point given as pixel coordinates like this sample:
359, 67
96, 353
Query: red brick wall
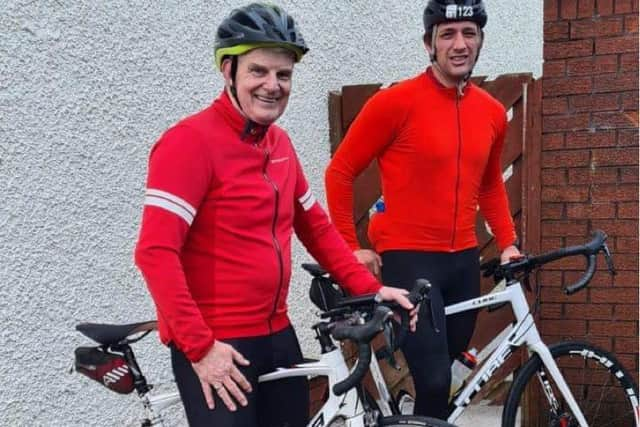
590, 167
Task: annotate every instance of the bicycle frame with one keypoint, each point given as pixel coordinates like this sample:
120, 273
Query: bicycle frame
523, 332
333, 366
155, 404
330, 365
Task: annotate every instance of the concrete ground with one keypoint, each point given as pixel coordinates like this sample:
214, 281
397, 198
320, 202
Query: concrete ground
480, 415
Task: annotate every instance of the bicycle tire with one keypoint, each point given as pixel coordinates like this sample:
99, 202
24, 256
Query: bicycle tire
604, 390
412, 420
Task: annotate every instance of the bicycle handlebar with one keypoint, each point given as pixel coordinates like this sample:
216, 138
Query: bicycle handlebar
362, 334
589, 250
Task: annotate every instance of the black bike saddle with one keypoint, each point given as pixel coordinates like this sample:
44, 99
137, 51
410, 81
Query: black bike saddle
314, 269
112, 334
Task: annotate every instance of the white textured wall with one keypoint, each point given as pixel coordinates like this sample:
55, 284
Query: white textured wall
85, 89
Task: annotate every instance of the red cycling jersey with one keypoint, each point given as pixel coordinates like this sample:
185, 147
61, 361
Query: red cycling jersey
221, 205
439, 159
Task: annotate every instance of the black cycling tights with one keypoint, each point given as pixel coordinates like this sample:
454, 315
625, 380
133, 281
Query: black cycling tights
455, 277
283, 403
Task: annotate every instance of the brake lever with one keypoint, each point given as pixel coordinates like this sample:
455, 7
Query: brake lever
608, 259
488, 268
388, 353
432, 317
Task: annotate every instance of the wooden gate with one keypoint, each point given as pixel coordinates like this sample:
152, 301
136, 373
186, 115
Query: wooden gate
521, 96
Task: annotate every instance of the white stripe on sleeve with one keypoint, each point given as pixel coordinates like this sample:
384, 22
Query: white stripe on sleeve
171, 203
175, 199
307, 200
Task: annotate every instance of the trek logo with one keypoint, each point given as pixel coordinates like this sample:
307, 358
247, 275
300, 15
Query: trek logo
480, 301
454, 11
115, 375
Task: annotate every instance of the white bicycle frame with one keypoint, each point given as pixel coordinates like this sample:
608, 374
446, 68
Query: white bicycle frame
331, 365
522, 332
154, 405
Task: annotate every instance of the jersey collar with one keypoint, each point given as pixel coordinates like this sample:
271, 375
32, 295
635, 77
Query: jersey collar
449, 91
247, 130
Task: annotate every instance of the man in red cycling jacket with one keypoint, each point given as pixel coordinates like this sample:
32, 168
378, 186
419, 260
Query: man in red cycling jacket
225, 192
437, 139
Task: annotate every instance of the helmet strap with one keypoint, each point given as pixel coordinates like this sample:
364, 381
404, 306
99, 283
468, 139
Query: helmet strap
249, 124
433, 56
460, 85
232, 87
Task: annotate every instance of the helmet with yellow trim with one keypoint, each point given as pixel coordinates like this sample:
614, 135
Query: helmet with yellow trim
258, 25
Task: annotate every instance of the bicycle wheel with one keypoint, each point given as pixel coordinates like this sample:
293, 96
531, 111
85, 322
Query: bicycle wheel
605, 392
412, 420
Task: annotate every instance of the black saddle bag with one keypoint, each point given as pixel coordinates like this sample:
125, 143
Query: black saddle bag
109, 369
325, 294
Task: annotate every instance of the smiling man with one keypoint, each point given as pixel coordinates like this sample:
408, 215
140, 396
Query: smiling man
437, 139
225, 192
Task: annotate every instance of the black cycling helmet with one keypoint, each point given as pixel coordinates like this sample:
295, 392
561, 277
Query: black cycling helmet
258, 25
439, 11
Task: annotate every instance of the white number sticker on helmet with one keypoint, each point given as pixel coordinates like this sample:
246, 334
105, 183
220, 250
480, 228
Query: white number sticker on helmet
454, 11
451, 11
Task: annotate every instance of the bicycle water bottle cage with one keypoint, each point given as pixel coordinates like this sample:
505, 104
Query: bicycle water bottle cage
109, 369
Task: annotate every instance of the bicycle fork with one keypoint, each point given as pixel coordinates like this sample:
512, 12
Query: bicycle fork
538, 347
531, 337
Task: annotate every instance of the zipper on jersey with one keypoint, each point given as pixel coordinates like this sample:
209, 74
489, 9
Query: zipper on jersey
455, 209
276, 245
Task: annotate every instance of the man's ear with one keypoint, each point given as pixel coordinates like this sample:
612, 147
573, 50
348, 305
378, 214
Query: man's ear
427, 43
226, 70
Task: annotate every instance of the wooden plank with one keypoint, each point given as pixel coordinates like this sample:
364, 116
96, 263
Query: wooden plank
485, 239
507, 88
514, 189
513, 141
353, 99
532, 164
318, 393
335, 120
478, 80
514, 193
530, 233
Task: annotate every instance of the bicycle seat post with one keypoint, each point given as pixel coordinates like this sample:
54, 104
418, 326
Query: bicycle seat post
139, 381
